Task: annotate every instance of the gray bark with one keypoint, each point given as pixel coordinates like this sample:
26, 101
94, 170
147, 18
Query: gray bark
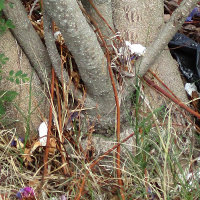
167, 32
28, 39
105, 9
92, 64
138, 21
139, 26
54, 55
52, 49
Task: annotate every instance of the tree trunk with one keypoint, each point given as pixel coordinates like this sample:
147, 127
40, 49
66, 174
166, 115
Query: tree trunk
138, 22
20, 118
141, 24
29, 40
92, 64
105, 9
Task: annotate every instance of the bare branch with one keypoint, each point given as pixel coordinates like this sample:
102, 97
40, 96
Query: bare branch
166, 34
52, 49
28, 39
92, 63
54, 55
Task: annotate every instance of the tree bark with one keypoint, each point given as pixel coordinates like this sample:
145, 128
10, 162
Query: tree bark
29, 39
105, 9
137, 21
92, 64
52, 49
165, 35
139, 26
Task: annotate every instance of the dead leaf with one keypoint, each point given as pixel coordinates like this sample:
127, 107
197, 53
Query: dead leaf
34, 182
27, 156
35, 146
52, 144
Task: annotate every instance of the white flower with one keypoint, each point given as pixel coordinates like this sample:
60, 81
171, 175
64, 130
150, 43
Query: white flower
43, 133
137, 49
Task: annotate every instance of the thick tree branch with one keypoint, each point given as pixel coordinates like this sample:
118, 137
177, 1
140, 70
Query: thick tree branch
165, 35
83, 44
95, 8
54, 55
29, 39
52, 49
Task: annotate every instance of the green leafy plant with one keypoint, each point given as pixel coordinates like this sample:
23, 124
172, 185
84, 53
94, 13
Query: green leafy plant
17, 77
2, 4
6, 96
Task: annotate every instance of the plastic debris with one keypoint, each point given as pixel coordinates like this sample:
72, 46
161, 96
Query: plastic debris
190, 87
195, 12
43, 133
137, 49
56, 34
187, 53
26, 192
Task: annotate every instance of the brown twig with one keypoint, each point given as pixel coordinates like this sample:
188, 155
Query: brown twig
163, 83
81, 189
178, 102
120, 182
60, 127
186, 116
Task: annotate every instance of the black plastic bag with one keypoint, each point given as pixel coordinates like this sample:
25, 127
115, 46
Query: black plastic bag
187, 53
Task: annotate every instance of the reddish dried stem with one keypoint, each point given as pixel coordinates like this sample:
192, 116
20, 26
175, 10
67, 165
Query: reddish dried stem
81, 189
163, 83
60, 127
120, 182
192, 122
178, 102
100, 15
